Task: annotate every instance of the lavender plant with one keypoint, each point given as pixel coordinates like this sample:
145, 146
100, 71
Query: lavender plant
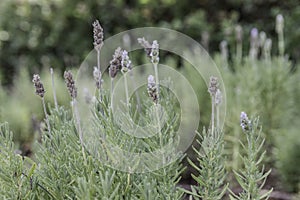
279, 29
261, 83
252, 178
160, 183
64, 168
98, 43
73, 171
40, 91
16, 172
211, 175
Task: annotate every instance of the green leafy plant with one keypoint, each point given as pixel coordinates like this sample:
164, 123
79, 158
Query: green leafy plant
288, 158
252, 178
16, 177
67, 168
211, 161
64, 166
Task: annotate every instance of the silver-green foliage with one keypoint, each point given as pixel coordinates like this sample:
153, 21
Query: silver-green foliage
67, 172
147, 184
252, 177
16, 172
210, 164
210, 167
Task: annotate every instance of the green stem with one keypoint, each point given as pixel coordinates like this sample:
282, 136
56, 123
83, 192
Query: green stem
46, 115
98, 66
239, 52
218, 117
281, 44
111, 92
212, 114
126, 89
156, 79
157, 107
159, 126
53, 88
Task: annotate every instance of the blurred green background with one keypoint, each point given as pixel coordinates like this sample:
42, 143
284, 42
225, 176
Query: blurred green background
42, 33
38, 34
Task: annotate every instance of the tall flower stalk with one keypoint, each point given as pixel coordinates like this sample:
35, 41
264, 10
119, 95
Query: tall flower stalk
53, 88
70, 83
154, 55
218, 101
40, 91
152, 52
254, 44
126, 67
239, 43
267, 49
224, 53
98, 43
279, 29
115, 66
213, 89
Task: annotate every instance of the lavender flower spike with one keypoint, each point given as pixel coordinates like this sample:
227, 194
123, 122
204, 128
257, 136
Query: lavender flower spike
152, 90
279, 23
125, 62
245, 122
98, 35
97, 77
155, 52
254, 33
213, 86
146, 45
115, 63
70, 84
39, 87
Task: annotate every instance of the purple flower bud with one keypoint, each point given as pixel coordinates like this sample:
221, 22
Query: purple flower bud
279, 23
155, 52
245, 122
125, 62
152, 90
254, 33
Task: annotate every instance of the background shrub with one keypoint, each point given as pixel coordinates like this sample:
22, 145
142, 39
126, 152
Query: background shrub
37, 34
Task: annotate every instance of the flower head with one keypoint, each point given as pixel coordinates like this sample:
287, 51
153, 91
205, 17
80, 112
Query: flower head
254, 33
154, 52
245, 122
39, 87
115, 63
254, 43
70, 84
97, 77
98, 35
146, 45
213, 85
152, 90
125, 62
279, 23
